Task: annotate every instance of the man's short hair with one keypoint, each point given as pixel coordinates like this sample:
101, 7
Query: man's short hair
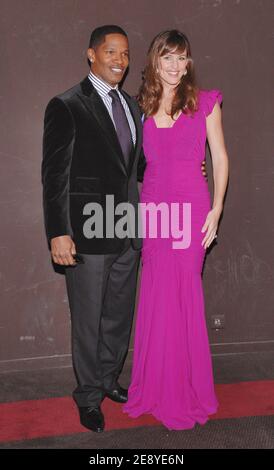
98, 35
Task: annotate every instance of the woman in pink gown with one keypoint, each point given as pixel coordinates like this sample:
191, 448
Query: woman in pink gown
172, 372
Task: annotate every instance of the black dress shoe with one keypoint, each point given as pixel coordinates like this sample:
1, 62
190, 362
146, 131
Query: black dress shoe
92, 418
118, 394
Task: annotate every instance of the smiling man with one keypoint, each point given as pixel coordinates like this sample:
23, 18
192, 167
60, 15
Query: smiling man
92, 148
109, 60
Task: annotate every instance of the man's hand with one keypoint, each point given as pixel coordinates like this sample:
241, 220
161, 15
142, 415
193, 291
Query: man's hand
203, 168
62, 249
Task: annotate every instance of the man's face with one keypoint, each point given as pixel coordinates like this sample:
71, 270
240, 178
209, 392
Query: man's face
110, 59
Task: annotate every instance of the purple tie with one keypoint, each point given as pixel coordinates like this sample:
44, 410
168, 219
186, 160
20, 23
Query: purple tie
122, 126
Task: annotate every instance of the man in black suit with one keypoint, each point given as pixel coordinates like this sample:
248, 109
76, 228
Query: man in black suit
92, 148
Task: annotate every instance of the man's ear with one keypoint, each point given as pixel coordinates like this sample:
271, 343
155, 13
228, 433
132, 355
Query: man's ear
91, 55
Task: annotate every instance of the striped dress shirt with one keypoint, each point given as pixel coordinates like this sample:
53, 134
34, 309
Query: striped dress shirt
103, 89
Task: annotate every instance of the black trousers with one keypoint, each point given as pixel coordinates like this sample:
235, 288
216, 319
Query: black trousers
101, 296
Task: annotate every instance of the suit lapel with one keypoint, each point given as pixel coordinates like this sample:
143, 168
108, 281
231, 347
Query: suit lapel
96, 107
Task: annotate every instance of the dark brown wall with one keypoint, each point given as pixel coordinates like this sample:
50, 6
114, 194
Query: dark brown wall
43, 48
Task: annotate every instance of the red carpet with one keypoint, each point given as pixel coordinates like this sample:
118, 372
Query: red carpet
59, 416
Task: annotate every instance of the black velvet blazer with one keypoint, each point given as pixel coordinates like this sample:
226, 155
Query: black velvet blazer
83, 162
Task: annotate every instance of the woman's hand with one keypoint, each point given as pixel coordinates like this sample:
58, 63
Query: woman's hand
211, 226
203, 169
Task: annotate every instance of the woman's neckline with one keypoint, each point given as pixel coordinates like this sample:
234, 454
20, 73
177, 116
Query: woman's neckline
171, 127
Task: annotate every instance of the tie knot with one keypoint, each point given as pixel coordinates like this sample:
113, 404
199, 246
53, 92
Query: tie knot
114, 95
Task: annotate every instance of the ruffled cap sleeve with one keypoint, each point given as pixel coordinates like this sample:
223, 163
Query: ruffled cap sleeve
209, 99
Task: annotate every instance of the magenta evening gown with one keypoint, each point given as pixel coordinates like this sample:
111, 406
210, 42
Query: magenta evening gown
172, 375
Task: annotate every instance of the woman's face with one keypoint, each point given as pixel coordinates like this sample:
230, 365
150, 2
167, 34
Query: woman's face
172, 66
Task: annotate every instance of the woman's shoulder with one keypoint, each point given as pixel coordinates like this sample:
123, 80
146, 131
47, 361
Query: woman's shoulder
208, 98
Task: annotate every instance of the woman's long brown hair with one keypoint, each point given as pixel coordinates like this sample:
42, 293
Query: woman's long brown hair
150, 93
